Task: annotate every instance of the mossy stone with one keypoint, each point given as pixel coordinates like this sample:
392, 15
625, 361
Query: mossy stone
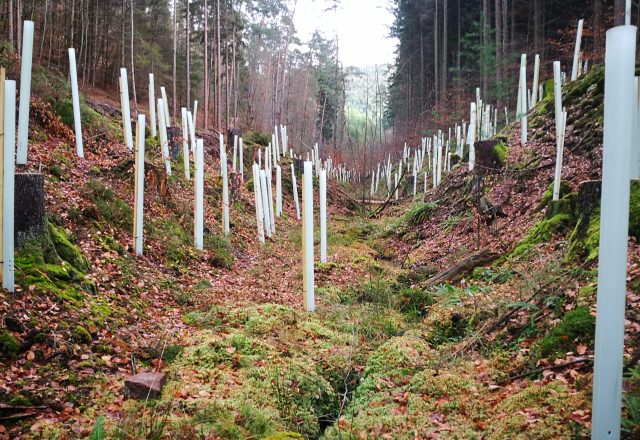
285, 436
81, 335
577, 324
66, 250
9, 345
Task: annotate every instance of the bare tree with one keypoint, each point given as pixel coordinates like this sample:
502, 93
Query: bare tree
206, 65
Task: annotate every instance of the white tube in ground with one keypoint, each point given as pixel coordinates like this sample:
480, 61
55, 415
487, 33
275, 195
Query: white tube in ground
8, 268
152, 106
138, 232
307, 238
126, 109
25, 93
258, 203
323, 215
75, 98
295, 191
614, 230
198, 218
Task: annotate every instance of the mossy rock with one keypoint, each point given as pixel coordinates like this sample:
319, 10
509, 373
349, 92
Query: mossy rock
81, 335
565, 190
543, 231
9, 345
576, 324
66, 250
501, 152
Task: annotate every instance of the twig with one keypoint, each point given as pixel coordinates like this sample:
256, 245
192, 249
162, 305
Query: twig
550, 367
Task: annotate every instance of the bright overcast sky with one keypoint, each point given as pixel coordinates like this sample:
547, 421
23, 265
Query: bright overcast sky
362, 27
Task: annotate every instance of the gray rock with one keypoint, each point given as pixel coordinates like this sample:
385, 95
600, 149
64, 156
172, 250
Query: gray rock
144, 384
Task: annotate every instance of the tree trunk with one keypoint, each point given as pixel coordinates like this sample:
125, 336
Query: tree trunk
499, 48
598, 27
10, 19
188, 49
538, 30
206, 65
218, 70
175, 58
486, 35
618, 12
445, 39
133, 66
435, 51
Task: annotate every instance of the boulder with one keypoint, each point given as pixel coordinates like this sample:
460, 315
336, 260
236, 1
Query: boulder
144, 385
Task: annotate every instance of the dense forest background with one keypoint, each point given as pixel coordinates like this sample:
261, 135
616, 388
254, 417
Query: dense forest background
245, 64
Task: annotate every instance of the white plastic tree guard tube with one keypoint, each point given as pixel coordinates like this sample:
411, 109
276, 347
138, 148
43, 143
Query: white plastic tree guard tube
523, 110
472, 137
272, 208
614, 227
576, 52
25, 92
192, 132
295, 191
164, 142
241, 158
165, 107
258, 201
234, 162
126, 109
225, 188
323, 215
198, 218
307, 238
75, 98
278, 191
185, 144
265, 203
152, 106
195, 114
8, 269
536, 79
557, 87
138, 211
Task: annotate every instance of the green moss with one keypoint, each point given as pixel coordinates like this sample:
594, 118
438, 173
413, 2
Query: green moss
565, 190
20, 400
109, 208
584, 241
9, 345
220, 251
577, 324
501, 152
81, 335
284, 436
543, 232
414, 302
66, 250
256, 137
634, 210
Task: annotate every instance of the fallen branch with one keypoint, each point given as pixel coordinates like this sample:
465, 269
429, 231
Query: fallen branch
452, 274
547, 368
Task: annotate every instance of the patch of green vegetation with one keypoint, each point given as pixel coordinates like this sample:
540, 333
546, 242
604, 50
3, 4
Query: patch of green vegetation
81, 335
66, 250
492, 275
175, 239
220, 251
284, 436
631, 399
213, 317
256, 137
20, 400
501, 152
9, 345
420, 213
634, 210
543, 231
110, 208
584, 241
565, 190
577, 324
414, 302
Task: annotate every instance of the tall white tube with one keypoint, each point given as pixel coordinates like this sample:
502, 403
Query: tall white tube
75, 98
295, 191
323, 215
225, 188
307, 238
198, 218
241, 159
258, 202
557, 87
25, 92
472, 137
523, 110
614, 228
152, 106
126, 109
195, 114
265, 203
272, 208
138, 231
278, 191
234, 162
165, 107
576, 52
185, 144
164, 142
8, 269
536, 79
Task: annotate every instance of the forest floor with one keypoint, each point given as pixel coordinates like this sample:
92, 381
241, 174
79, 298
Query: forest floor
401, 345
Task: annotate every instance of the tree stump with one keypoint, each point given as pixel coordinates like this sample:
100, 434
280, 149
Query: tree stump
174, 135
29, 221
